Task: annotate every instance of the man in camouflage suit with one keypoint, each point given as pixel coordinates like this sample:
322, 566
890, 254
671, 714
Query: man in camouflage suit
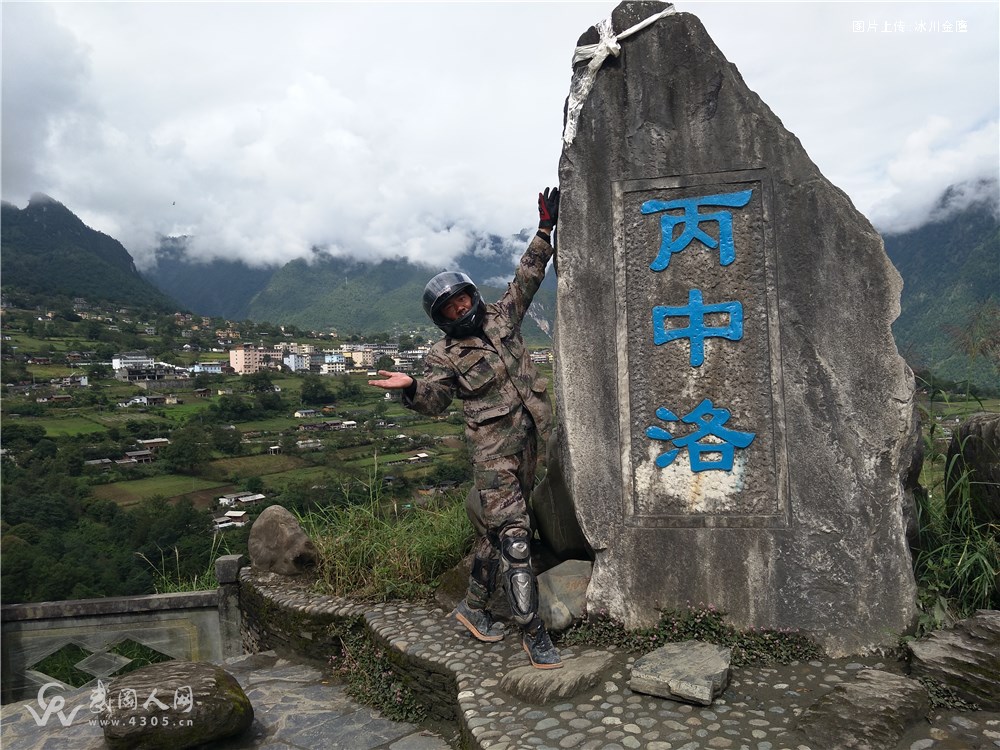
483, 361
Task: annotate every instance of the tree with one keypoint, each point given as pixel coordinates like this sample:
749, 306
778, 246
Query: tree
226, 441
258, 382
99, 371
253, 484
349, 389
188, 450
315, 391
385, 362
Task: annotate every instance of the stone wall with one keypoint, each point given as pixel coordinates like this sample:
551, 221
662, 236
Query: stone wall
283, 615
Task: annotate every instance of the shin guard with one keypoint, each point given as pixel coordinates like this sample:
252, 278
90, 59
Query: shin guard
519, 579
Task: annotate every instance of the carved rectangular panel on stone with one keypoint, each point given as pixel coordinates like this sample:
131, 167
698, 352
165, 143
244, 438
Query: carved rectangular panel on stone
702, 422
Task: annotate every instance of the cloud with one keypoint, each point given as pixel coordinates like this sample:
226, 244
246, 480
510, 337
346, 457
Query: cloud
44, 69
264, 131
933, 158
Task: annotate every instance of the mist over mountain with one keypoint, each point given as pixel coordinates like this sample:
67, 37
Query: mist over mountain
46, 250
348, 295
948, 325
950, 306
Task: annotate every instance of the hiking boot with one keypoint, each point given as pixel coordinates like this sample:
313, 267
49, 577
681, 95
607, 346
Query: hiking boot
479, 622
538, 646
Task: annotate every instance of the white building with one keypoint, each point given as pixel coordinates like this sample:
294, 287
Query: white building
297, 362
132, 361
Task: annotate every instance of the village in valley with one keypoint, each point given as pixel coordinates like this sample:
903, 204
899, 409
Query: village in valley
225, 417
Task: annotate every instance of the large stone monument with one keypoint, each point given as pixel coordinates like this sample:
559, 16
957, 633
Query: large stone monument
734, 418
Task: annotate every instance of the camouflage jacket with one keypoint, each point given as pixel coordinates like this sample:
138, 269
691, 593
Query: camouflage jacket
505, 399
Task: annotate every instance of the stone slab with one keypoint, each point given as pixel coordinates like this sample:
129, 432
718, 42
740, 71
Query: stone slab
691, 671
540, 686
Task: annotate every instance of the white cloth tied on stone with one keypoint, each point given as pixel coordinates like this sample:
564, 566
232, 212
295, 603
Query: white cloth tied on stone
583, 81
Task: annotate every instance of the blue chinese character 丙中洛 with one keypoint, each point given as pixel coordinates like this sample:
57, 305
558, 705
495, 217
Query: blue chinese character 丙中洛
696, 330
710, 421
691, 221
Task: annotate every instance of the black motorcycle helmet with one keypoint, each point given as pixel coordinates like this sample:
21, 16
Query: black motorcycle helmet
442, 288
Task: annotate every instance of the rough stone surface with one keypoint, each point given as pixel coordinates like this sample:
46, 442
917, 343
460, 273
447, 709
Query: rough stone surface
554, 516
872, 712
975, 450
174, 705
541, 686
692, 671
562, 594
966, 658
806, 529
277, 544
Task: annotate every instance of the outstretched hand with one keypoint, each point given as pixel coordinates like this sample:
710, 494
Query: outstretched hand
548, 208
393, 380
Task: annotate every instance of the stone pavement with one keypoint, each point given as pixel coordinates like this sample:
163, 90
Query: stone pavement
296, 706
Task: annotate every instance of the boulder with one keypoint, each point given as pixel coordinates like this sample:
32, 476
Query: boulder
691, 671
974, 457
278, 544
174, 705
735, 423
540, 686
872, 712
562, 594
966, 658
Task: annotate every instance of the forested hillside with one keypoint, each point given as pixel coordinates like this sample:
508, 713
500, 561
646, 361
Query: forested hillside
47, 251
950, 315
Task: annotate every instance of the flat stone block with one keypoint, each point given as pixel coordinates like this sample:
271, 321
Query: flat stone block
692, 671
539, 686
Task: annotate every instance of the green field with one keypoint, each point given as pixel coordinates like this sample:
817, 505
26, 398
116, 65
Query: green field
281, 479
260, 465
169, 485
71, 424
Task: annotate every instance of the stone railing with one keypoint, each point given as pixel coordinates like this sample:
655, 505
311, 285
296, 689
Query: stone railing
95, 639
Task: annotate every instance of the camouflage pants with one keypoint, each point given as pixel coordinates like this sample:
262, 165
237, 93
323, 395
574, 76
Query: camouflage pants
504, 485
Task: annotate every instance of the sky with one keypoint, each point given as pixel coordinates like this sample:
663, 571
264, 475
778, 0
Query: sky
376, 129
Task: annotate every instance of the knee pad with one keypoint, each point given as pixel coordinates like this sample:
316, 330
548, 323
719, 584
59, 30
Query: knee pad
518, 578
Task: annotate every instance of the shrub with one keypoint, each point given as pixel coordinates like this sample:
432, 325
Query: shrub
957, 564
756, 646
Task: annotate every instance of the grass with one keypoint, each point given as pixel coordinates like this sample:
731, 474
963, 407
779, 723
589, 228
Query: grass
957, 565
61, 665
167, 580
957, 561
371, 550
260, 465
749, 647
371, 678
167, 485
68, 425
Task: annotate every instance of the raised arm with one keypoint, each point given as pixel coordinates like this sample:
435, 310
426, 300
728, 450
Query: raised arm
531, 269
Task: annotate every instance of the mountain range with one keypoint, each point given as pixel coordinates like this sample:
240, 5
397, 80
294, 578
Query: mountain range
950, 306
327, 292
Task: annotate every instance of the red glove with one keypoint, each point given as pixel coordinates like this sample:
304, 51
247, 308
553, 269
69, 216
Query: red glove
548, 208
